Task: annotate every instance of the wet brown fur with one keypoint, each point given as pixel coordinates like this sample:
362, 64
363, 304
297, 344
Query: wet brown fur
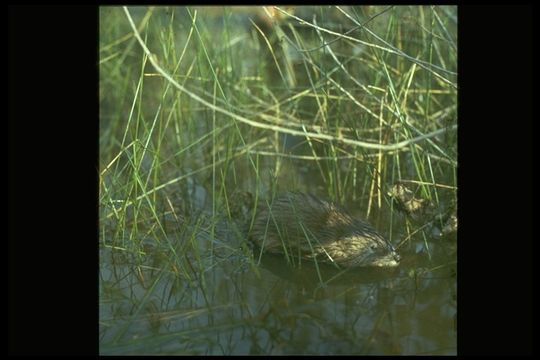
303, 225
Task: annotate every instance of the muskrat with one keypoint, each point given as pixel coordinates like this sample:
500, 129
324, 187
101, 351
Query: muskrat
302, 225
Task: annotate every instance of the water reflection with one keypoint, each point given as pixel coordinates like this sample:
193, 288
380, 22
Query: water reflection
229, 309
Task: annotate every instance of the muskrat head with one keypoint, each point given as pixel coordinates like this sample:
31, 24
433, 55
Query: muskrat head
362, 247
378, 254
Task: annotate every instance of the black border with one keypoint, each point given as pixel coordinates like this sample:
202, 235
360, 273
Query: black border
495, 243
53, 180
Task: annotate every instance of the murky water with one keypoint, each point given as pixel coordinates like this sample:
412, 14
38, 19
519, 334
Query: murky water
228, 306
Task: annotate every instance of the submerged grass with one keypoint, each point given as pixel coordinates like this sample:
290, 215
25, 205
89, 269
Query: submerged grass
200, 104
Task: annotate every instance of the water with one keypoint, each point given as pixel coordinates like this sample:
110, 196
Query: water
229, 307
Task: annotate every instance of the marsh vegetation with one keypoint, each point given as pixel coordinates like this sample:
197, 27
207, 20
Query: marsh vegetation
201, 105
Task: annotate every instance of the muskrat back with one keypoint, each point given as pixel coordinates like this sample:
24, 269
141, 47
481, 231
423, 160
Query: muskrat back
302, 225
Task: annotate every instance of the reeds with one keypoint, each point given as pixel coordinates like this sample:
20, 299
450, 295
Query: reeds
198, 104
